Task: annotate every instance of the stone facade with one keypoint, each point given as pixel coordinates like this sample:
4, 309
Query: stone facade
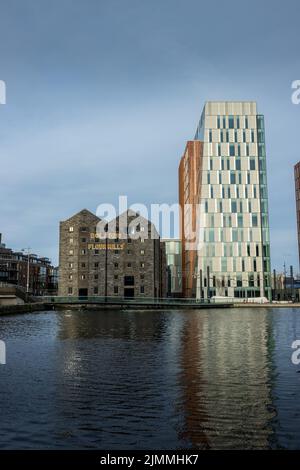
123, 258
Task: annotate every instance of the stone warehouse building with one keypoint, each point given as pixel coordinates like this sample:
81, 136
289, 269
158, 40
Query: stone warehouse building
123, 258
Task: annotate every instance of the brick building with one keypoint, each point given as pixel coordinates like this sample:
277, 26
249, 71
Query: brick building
14, 267
297, 191
123, 258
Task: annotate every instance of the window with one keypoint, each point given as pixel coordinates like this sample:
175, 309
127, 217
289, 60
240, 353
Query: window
83, 240
238, 164
142, 265
233, 207
82, 277
232, 178
129, 265
83, 252
116, 277
142, 276
116, 289
96, 277
83, 265
129, 252
70, 290
71, 265
70, 277
71, 229
252, 164
71, 241
230, 122
116, 265
254, 220
128, 280
231, 150
96, 265
95, 290
83, 229
240, 220
71, 252
142, 252
210, 136
142, 290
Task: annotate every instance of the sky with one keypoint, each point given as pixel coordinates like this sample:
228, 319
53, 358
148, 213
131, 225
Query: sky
102, 96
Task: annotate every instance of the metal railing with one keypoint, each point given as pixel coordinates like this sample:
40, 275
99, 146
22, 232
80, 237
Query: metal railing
122, 300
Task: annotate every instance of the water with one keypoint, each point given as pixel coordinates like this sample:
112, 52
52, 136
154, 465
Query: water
207, 379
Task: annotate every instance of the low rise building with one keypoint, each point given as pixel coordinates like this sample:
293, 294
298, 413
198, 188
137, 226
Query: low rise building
173, 252
123, 258
41, 275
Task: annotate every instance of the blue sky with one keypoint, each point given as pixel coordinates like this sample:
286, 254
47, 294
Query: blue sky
103, 94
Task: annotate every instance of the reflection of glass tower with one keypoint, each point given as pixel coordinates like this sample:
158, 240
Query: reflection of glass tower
226, 397
233, 248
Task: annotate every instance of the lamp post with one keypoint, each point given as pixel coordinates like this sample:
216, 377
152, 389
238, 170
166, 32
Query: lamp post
27, 251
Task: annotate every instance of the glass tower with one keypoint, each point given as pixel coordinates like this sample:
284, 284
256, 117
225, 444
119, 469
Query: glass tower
233, 246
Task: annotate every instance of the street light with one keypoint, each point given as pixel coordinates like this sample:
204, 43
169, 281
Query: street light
27, 251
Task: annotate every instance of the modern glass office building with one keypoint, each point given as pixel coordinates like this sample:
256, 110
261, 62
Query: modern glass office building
174, 266
231, 217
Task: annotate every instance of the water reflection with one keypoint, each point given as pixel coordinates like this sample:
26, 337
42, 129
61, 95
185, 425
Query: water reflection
225, 379
150, 380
